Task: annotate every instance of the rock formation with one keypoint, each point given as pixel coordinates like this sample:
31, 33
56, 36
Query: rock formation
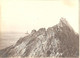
58, 41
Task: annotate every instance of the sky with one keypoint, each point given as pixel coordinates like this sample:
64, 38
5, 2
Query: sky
26, 15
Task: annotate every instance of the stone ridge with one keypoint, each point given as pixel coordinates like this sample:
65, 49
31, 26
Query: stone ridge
58, 41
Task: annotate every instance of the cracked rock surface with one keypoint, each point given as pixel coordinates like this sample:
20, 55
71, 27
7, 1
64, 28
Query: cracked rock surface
59, 41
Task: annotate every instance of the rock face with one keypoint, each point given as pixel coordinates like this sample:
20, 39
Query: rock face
59, 41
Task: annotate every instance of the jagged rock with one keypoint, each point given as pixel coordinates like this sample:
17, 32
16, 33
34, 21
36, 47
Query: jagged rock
59, 41
33, 31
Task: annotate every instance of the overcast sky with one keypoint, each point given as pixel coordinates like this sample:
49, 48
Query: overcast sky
24, 15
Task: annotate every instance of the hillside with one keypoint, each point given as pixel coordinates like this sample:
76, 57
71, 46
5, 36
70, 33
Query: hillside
59, 41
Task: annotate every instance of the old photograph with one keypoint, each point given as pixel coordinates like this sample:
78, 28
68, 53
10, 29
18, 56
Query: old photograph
39, 28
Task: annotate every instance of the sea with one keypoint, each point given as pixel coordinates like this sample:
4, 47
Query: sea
9, 38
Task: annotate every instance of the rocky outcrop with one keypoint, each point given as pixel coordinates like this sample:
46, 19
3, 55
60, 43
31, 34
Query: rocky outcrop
59, 41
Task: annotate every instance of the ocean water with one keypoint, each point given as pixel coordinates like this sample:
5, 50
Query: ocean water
9, 38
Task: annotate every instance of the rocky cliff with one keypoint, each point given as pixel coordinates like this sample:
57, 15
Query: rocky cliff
59, 41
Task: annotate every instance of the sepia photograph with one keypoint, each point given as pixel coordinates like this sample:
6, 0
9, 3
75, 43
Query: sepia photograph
39, 29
